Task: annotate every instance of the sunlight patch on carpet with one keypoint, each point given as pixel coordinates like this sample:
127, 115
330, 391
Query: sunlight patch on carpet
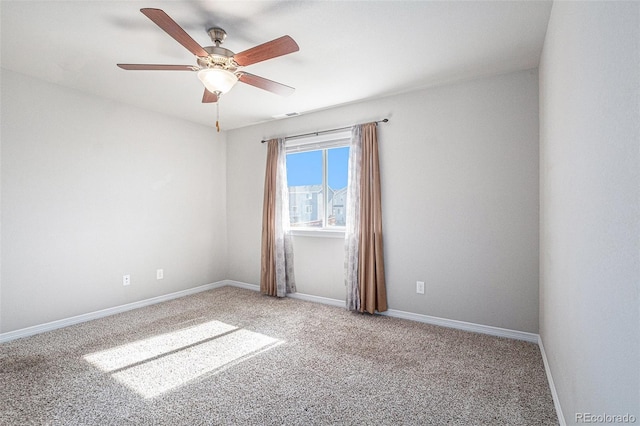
142, 350
162, 363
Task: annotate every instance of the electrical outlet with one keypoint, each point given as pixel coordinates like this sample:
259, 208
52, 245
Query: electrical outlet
159, 274
126, 279
420, 287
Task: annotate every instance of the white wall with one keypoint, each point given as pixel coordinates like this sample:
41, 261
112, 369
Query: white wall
93, 189
459, 169
590, 206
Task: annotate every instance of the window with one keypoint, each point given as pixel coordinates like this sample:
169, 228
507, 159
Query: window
317, 179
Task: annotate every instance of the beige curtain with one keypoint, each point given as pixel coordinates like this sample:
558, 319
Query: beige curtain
366, 289
276, 263
267, 262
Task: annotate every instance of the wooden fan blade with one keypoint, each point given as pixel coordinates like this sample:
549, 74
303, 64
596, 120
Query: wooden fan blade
271, 49
152, 67
209, 97
265, 84
164, 21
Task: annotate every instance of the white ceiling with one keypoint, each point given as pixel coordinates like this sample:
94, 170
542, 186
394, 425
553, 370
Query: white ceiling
349, 51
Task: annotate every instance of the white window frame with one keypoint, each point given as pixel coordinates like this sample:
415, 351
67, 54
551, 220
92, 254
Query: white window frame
325, 141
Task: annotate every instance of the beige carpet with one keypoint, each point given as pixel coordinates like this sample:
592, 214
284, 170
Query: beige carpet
232, 356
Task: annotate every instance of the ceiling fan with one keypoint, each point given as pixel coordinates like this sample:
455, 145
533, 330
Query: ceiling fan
218, 68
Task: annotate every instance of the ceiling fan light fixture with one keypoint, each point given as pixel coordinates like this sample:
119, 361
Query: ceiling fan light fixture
217, 80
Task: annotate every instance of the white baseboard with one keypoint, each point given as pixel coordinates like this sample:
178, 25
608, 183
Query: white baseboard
552, 386
318, 299
240, 284
299, 296
53, 325
443, 322
461, 325
465, 326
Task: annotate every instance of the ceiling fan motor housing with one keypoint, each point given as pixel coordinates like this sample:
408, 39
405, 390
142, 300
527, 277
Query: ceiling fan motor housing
219, 57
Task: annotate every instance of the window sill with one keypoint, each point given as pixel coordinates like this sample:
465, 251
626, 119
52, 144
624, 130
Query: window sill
322, 233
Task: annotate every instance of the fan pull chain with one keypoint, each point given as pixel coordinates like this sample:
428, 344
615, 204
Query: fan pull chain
218, 115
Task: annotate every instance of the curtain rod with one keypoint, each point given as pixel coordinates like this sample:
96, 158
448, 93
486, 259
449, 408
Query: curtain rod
384, 120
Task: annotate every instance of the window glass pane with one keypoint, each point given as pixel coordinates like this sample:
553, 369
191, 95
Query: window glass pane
337, 168
304, 168
304, 178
